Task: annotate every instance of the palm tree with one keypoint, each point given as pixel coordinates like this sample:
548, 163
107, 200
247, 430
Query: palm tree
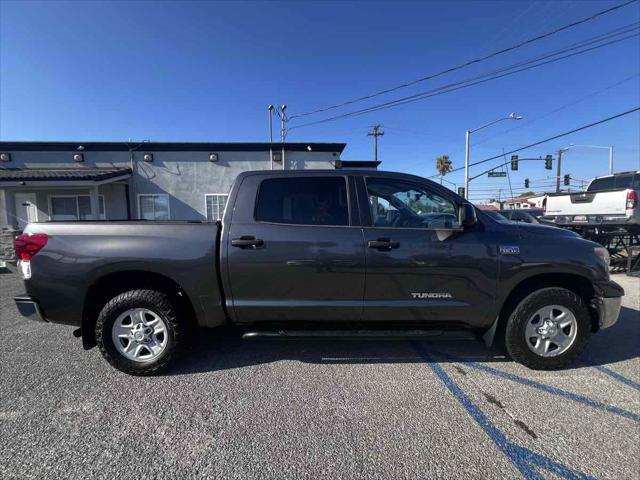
443, 165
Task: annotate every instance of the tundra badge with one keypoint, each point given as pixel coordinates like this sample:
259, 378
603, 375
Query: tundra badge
509, 250
430, 295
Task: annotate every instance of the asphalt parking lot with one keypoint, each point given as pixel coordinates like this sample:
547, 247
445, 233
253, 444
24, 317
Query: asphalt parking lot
317, 409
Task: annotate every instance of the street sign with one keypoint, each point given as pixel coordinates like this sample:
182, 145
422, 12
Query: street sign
497, 174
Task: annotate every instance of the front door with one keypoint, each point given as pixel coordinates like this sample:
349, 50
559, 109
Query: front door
26, 211
294, 254
418, 267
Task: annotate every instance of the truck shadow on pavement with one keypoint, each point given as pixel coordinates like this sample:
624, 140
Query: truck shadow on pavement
224, 348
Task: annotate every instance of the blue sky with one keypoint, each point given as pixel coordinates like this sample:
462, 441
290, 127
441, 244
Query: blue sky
205, 71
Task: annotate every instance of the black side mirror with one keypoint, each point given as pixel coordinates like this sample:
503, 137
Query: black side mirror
467, 215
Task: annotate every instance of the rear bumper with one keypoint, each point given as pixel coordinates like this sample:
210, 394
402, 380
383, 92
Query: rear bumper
29, 308
591, 220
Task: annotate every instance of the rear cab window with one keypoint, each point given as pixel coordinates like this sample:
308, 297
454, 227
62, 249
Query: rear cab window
601, 184
617, 182
303, 201
627, 181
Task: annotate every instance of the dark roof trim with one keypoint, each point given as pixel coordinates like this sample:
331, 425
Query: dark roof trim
34, 175
170, 146
357, 163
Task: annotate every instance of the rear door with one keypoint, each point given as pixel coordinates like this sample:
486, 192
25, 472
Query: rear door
294, 251
418, 268
26, 211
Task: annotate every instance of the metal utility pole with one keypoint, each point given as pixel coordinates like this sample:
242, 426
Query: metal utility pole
610, 159
283, 131
466, 165
270, 108
375, 134
559, 171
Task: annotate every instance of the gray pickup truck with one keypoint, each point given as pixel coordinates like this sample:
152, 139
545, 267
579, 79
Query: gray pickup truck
320, 252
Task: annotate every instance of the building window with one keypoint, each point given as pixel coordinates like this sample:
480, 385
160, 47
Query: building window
153, 207
74, 207
214, 204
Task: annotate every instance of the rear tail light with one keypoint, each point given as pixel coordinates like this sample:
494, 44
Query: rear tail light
27, 246
544, 205
632, 199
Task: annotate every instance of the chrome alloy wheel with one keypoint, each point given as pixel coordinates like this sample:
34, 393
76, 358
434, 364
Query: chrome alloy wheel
551, 331
139, 334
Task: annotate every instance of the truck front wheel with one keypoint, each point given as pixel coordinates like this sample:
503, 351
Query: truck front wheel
138, 332
548, 329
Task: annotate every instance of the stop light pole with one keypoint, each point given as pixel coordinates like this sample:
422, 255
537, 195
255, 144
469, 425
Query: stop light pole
562, 150
559, 171
512, 116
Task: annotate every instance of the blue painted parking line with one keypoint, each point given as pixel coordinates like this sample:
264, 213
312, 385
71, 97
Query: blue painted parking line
617, 376
527, 462
541, 386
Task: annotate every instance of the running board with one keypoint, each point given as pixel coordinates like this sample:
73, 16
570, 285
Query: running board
381, 334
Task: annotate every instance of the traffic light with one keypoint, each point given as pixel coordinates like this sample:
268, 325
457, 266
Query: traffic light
514, 162
567, 179
526, 183
548, 162
461, 192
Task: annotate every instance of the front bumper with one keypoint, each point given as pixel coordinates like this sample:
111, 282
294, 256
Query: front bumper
608, 310
29, 308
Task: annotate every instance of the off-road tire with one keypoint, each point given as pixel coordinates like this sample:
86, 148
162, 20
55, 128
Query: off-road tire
515, 341
159, 303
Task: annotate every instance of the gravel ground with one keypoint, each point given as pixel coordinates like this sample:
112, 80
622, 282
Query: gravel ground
317, 409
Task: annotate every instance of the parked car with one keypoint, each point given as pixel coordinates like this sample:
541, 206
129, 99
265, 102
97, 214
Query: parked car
496, 215
609, 203
315, 252
519, 215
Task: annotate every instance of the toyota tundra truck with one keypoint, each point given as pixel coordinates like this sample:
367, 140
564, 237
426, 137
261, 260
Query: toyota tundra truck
319, 253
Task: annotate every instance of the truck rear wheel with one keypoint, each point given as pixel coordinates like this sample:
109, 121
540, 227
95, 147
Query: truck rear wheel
548, 329
138, 332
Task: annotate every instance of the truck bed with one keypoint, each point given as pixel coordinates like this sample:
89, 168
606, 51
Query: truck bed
80, 253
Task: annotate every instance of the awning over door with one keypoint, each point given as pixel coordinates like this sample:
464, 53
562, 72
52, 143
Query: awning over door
71, 177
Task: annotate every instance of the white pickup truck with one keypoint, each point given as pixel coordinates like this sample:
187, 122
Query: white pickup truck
608, 203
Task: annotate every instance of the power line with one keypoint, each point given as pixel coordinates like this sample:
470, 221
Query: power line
466, 64
531, 121
540, 142
508, 26
486, 77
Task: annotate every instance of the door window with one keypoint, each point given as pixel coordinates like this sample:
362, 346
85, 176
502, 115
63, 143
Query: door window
398, 204
303, 201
